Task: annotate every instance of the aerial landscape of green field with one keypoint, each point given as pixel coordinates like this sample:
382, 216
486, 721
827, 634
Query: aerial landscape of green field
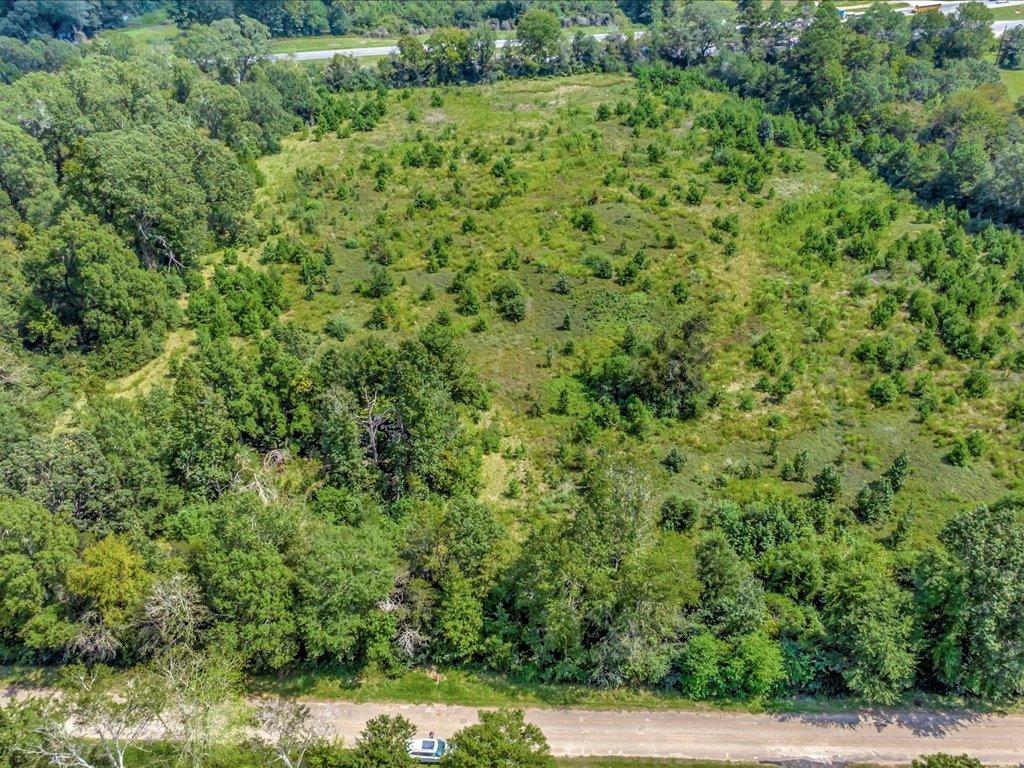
628, 359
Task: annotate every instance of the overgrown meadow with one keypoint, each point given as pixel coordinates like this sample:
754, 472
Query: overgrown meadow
610, 208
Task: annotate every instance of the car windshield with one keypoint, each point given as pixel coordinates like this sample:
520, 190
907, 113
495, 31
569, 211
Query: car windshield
427, 746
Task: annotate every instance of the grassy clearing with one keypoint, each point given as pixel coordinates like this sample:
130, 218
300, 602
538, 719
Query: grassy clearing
328, 42
549, 131
137, 382
1007, 12
151, 30
1013, 79
156, 370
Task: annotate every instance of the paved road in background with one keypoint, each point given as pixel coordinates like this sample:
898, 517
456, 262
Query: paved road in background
876, 737
375, 51
998, 27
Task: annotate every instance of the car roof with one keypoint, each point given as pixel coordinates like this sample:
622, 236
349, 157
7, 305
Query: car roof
424, 745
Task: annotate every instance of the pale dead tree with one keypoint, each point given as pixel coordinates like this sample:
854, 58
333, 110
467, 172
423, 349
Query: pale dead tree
200, 705
144, 227
289, 730
93, 639
96, 720
275, 459
372, 417
251, 479
259, 479
408, 638
631, 511
12, 372
172, 614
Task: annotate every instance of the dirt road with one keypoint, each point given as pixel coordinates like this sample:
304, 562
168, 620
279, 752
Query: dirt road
877, 737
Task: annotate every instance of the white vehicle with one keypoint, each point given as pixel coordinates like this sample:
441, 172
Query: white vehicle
427, 750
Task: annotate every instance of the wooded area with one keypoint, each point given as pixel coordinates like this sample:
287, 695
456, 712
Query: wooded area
335, 365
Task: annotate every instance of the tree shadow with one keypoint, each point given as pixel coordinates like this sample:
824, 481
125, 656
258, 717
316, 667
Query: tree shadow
919, 722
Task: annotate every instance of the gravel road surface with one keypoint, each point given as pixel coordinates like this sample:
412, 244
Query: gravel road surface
795, 740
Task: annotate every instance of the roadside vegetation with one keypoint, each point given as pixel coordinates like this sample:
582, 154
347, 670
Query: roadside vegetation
685, 365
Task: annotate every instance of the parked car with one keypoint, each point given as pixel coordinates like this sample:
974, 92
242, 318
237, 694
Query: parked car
427, 750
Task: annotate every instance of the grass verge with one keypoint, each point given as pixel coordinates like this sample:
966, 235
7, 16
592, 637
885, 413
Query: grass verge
480, 689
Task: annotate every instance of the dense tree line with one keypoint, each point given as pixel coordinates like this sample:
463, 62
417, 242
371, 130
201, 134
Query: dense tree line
43, 19
854, 81
396, 17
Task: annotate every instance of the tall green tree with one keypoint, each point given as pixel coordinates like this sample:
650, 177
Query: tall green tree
238, 557
539, 34
202, 444
227, 47
885, 24
46, 109
69, 474
448, 52
693, 34
36, 549
971, 602
869, 622
398, 405
969, 33
382, 743
830, 74
28, 189
751, 21
501, 738
27, 19
87, 290
341, 575
585, 600
1011, 49
168, 191
112, 577
731, 599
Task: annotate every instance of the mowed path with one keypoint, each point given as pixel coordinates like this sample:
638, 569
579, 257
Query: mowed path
876, 737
